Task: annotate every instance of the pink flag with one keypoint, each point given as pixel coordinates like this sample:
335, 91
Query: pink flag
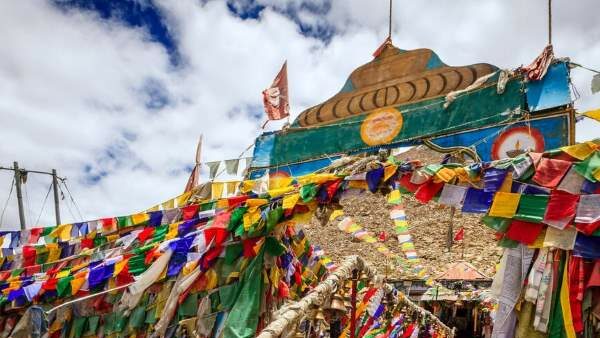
275, 98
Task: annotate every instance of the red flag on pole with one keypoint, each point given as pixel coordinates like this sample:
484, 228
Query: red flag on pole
460, 234
275, 98
195, 175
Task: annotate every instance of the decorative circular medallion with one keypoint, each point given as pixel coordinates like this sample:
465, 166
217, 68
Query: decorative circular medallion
517, 140
381, 126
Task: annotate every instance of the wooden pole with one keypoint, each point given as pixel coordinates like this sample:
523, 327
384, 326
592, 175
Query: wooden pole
449, 235
55, 188
19, 194
353, 302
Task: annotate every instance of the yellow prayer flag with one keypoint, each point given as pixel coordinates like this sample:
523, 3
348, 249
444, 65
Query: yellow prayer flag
76, 284
593, 114
254, 203
580, 151
358, 184
389, 171
222, 203
280, 191
505, 204
63, 273
65, 232
507, 184
170, 204
335, 214
211, 279
232, 187
446, 174
173, 229
290, 201
217, 190
53, 252
302, 218
247, 186
154, 208
182, 199
119, 266
112, 238
189, 267
140, 218
565, 304
251, 218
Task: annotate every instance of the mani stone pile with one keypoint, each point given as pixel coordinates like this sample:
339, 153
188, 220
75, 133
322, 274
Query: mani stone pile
428, 225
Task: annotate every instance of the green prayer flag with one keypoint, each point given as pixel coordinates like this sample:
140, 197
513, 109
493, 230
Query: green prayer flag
233, 252
92, 325
497, 223
150, 315
505, 242
109, 322
123, 221
432, 169
77, 327
136, 264
532, 208
308, 192
16, 272
243, 318
273, 247
236, 219
556, 327
99, 240
189, 307
273, 218
160, 232
587, 167
120, 322
208, 206
228, 294
136, 319
63, 286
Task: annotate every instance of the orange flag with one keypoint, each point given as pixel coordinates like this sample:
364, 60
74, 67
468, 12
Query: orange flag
275, 98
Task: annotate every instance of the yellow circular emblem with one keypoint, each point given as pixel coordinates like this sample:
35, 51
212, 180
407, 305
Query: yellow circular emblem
381, 126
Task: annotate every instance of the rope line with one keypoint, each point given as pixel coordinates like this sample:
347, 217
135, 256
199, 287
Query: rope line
12, 186
43, 204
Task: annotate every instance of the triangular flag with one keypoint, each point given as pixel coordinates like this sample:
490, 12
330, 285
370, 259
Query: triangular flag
593, 114
231, 188
213, 167
217, 190
231, 166
460, 235
275, 98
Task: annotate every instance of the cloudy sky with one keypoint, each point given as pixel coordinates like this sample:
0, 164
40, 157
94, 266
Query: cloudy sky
114, 94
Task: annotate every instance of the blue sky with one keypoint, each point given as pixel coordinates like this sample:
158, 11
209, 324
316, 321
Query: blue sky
115, 93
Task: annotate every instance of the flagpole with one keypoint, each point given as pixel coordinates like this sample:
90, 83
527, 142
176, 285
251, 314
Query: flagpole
464, 243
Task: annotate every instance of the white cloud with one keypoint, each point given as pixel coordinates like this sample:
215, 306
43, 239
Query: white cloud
75, 87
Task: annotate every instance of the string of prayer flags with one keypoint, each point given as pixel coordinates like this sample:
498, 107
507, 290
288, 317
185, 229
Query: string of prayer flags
505, 204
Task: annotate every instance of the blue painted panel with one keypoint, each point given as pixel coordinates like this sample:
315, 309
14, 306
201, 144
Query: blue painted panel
553, 130
552, 91
296, 170
262, 150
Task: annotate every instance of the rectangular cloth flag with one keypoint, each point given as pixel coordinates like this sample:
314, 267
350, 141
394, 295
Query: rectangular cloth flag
275, 98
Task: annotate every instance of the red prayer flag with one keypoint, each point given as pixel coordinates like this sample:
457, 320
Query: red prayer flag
427, 191
460, 235
524, 232
145, 234
407, 184
190, 211
550, 171
561, 209
275, 98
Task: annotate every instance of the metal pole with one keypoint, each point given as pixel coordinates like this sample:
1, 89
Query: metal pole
55, 188
390, 22
449, 235
353, 303
19, 194
549, 22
